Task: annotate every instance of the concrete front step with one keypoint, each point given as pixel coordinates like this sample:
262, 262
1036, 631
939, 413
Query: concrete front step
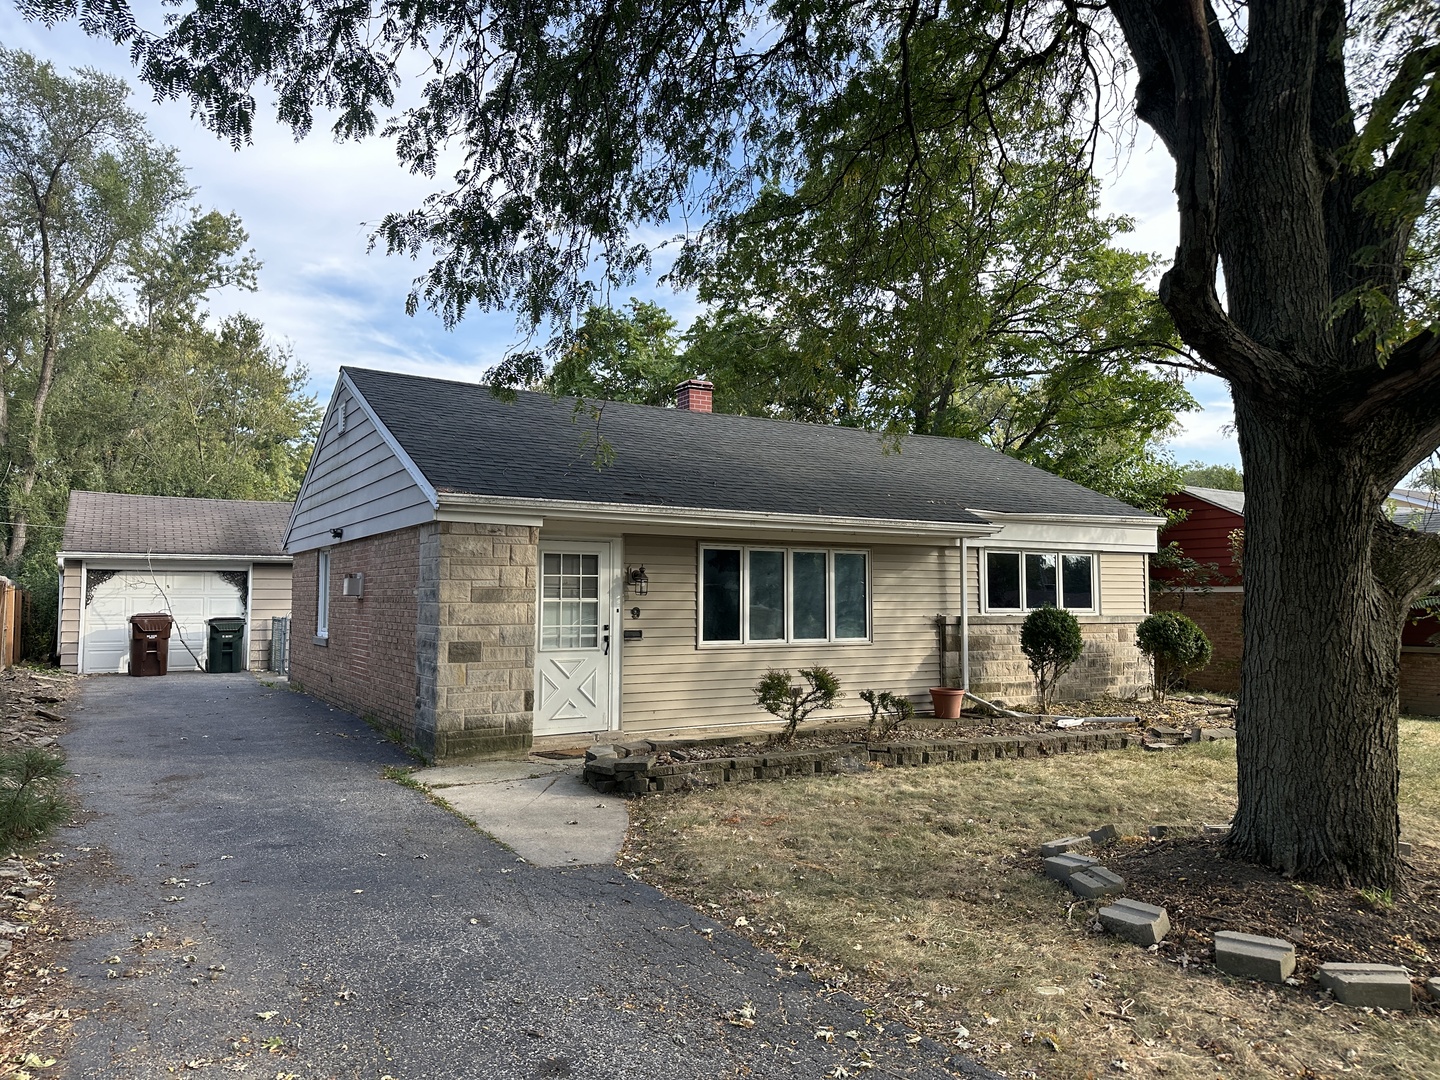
1373, 986
1253, 957
1144, 924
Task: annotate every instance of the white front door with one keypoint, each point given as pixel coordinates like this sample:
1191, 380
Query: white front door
574, 658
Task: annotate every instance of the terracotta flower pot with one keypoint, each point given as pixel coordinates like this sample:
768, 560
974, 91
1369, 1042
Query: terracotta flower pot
947, 701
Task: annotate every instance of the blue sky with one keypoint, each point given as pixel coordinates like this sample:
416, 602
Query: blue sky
309, 208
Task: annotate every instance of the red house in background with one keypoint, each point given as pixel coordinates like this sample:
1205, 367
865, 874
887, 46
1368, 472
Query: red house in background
1204, 535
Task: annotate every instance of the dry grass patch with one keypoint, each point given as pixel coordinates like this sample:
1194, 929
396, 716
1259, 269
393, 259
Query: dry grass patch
916, 888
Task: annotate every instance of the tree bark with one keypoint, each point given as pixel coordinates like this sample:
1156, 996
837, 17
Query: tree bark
1316, 730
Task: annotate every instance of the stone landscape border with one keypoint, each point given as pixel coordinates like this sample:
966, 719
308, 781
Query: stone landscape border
634, 767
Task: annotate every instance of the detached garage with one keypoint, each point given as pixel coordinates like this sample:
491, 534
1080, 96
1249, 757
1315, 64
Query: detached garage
196, 559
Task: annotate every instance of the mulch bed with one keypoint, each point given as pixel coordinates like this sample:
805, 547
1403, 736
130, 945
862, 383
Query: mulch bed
1205, 889
1177, 712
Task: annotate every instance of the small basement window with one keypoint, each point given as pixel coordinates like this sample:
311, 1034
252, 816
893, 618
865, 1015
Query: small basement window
1025, 580
758, 595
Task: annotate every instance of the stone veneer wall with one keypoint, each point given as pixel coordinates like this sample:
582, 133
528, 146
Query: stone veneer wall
475, 644
1109, 664
1218, 614
367, 665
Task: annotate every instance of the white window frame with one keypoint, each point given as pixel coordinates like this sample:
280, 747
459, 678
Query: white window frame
789, 639
1024, 608
322, 594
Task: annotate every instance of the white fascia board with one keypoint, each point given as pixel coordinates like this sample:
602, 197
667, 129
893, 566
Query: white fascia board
141, 558
1076, 532
496, 509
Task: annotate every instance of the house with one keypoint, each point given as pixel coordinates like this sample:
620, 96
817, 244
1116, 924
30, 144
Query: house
1204, 535
472, 573
194, 558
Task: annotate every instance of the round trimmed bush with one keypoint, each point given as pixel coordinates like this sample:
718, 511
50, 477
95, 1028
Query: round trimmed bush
1050, 639
1177, 646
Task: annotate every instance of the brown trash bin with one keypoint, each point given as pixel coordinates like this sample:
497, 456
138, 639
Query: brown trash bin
150, 643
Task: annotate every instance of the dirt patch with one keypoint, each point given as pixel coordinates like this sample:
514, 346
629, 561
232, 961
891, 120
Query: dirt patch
1205, 889
34, 1017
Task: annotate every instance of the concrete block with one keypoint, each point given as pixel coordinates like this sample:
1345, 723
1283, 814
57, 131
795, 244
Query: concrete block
1432, 987
1160, 832
1063, 846
1405, 849
1374, 986
1060, 867
1104, 835
599, 751
1253, 957
1165, 733
1144, 924
1215, 831
1095, 883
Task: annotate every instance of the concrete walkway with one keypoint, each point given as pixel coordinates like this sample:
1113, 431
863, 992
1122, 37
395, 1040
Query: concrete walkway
538, 808
260, 899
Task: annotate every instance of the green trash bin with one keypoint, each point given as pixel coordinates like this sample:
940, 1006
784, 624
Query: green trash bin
227, 638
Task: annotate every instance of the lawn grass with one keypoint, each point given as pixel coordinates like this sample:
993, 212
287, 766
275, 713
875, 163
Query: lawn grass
911, 887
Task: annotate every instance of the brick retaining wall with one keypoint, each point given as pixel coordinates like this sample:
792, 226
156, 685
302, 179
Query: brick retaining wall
634, 768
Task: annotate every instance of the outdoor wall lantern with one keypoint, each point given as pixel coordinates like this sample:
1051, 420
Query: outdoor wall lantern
635, 578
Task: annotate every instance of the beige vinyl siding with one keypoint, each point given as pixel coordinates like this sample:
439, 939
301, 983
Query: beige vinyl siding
355, 483
70, 606
269, 598
669, 683
972, 580
1124, 583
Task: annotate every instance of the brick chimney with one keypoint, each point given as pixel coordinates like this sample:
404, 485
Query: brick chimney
694, 395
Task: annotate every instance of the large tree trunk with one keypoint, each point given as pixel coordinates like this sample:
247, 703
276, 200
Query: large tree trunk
1262, 129
1317, 723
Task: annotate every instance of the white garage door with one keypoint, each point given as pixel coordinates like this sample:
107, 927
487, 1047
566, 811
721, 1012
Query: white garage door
193, 597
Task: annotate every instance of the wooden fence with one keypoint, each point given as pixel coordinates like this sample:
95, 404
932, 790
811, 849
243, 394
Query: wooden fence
12, 611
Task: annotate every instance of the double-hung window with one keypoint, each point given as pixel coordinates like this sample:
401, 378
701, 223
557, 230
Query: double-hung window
322, 595
755, 595
1025, 580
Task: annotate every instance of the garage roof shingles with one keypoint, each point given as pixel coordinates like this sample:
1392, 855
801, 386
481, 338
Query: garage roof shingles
106, 523
466, 441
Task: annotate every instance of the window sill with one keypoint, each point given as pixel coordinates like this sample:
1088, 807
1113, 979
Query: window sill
323, 640
811, 643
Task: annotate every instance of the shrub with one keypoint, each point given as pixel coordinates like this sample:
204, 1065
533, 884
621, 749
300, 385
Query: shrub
777, 695
1050, 639
30, 804
887, 711
1176, 646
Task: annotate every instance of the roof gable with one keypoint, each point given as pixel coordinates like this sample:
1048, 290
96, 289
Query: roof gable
102, 522
466, 441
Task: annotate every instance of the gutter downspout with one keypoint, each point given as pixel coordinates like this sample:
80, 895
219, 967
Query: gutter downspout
964, 614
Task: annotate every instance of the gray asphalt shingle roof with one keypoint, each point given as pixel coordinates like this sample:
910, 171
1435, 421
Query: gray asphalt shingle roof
104, 522
466, 441
1233, 501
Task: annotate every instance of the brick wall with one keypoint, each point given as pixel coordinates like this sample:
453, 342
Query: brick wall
1109, 664
1420, 682
476, 646
368, 664
1218, 614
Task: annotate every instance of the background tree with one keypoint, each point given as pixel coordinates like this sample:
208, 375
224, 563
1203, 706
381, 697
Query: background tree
627, 355
1303, 135
81, 182
1220, 477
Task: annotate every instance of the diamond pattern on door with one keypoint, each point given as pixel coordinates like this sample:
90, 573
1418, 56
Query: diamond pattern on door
569, 690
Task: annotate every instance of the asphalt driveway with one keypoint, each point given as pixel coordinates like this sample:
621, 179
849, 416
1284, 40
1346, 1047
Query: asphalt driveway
263, 898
